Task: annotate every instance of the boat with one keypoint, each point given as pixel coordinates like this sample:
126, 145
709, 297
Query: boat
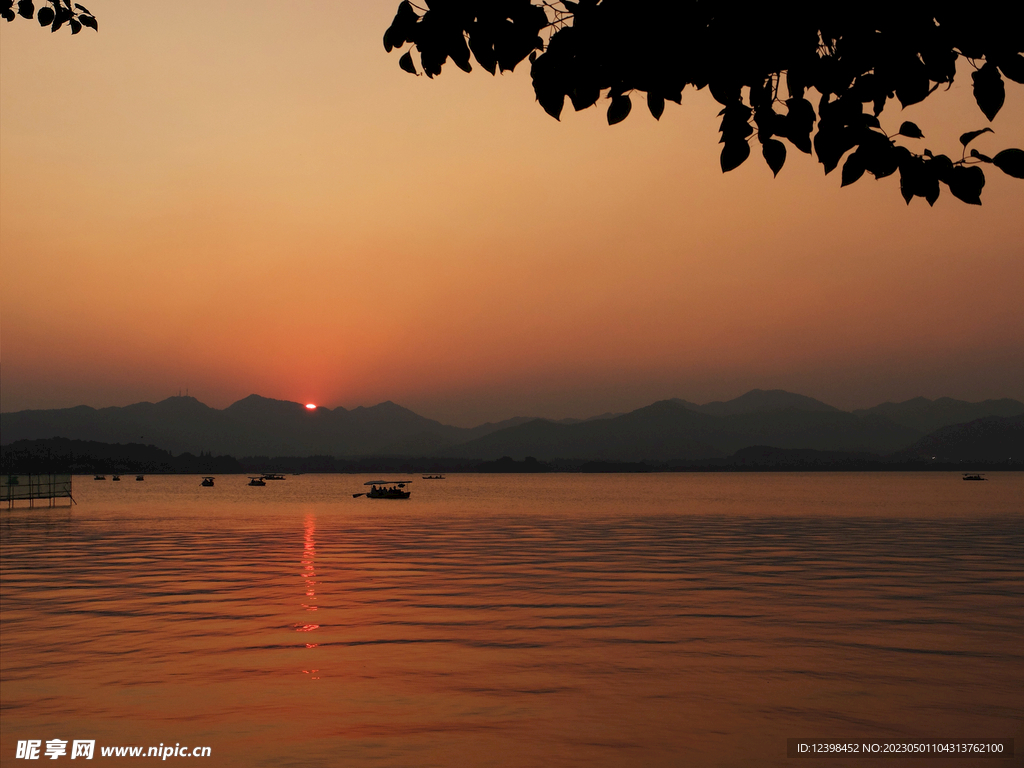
207, 481
256, 480
116, 478
386, 489
100, 477
433, 477
975, 476
272, 476
139, 477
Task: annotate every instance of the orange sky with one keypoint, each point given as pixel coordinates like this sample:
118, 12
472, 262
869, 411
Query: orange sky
242, 197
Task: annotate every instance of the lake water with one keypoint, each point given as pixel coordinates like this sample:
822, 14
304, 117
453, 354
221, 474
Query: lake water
518, 620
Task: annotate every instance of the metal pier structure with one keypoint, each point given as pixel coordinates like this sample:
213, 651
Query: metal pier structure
33, 488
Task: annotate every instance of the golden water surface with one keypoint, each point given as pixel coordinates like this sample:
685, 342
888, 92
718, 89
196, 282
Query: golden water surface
518, 620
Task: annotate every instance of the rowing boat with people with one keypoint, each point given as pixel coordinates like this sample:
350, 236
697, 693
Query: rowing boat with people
385, 489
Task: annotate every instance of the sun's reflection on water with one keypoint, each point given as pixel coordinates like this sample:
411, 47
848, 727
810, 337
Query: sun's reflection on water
309, 577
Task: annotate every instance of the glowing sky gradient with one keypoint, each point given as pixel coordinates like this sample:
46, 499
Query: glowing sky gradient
241, 197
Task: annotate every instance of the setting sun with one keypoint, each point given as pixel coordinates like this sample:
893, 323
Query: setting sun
311, 406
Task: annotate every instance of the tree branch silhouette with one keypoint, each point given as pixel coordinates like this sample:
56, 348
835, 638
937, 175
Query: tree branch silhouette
52, 13
766, 64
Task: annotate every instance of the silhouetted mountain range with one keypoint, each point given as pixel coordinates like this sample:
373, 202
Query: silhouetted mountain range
671, 430
928, 415
666, 431
992, 438
760, 401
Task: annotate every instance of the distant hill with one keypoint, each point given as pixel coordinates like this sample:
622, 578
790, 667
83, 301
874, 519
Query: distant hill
761, 401
505, 464
657, 430
765, 457
927, 415
990, 439
91, 457
672, 431
177, 424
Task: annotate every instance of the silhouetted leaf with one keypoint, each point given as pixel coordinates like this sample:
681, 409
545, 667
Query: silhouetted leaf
912, 84
984, 158
878, 155
798, 123
735, 124
774, 152
482, 46
403, 27
939, 63
970, 136
767, 122
83, 9
45, 16
619, 109
406, 63
870, 121
965, 183
910, 130
725, 91
943, 167
64, 15
89, 21
879, 104
1012, 65
733, 154
989, 90
906, 190
853, 169
918, 178
76, 26
656, 104
584, 95
548, 85
26, 9
830, 144
459, 51
1010, 162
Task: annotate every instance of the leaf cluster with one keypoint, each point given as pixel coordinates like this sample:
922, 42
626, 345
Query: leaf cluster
815, 77
52, 13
